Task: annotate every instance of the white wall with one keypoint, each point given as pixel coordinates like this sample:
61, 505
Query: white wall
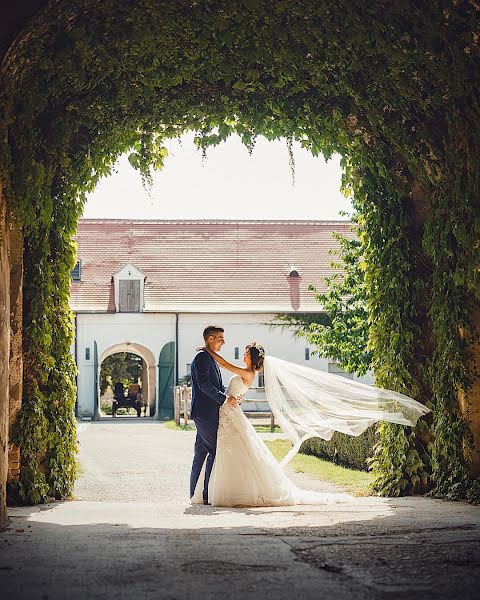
154, 330
240, 330
150, 330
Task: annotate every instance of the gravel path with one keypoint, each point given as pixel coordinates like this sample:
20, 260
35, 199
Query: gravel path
144, 461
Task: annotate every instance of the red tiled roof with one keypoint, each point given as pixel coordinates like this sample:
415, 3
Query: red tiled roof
206, 266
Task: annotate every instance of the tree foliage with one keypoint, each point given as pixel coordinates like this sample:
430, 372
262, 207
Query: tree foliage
125, 367
392, 86
341, 332
345, 338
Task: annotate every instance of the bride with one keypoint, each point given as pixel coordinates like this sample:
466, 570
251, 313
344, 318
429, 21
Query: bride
306, 403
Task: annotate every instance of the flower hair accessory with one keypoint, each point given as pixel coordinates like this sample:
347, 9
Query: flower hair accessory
258, 347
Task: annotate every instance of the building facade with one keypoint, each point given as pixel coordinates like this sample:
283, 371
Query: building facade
151, 287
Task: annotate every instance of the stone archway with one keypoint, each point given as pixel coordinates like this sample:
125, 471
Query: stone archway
88, 80
149, 385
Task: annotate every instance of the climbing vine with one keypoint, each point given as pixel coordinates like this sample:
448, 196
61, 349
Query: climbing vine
401, 457
453, 248
392, 87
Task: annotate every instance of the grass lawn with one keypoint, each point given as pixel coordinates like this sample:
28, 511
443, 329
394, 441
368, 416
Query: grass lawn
80, 470
351, 481
181, 427
267, 429
260, 428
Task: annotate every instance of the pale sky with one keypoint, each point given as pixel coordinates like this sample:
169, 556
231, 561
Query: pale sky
230, 184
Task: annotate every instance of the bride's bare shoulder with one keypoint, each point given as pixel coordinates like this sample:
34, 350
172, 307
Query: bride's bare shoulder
248, 378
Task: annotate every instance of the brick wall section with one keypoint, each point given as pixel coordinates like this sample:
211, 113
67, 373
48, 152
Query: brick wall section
4, 353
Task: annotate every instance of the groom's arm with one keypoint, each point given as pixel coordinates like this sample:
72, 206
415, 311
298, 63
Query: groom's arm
202, 366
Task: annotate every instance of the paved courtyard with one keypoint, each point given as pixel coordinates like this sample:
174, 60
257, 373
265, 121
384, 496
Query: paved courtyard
131, 533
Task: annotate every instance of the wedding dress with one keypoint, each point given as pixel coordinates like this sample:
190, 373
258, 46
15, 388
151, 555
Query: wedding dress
245, 472
311, 403
306, 403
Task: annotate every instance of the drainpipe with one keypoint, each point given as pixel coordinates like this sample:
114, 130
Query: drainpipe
176, 348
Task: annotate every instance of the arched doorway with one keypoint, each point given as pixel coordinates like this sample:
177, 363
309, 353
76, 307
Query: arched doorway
121, 385
81, 93
147, 375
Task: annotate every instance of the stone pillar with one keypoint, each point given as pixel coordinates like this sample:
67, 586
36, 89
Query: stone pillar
469, 400
16, 356
4, 353
144, 377
152, 390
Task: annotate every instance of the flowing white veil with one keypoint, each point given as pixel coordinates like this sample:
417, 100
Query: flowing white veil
310, 403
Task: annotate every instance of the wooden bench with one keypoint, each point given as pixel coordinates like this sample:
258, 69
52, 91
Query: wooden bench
259, 414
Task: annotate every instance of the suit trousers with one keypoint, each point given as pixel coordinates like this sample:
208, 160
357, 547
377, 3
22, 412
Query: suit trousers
205, 448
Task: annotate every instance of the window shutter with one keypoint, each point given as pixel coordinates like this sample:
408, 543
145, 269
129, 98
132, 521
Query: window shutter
75, 272
129, 295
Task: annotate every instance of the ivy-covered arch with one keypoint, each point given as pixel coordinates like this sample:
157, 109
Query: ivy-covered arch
393, 87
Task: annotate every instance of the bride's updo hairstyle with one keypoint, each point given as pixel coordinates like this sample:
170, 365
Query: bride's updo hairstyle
257, 355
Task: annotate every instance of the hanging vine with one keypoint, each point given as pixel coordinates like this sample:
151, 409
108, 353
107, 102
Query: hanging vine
291, 159
383, 84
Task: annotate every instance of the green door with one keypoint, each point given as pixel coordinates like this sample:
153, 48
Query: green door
166, 379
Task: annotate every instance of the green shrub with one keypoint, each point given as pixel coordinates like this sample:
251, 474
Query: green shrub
106, 408
343, 449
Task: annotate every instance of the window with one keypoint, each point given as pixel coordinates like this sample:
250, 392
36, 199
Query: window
189, 368
307, 353
129, 295
87, 353
237, 353
336, 370
76, 271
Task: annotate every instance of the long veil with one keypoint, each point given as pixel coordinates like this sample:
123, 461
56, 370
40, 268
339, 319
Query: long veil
310, 403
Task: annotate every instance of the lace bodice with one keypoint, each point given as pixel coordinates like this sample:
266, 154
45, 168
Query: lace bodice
230, 415
236, 387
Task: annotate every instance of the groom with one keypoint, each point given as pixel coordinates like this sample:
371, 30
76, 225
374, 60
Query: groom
208, 394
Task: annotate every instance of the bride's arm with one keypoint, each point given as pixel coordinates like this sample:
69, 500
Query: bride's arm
247, 375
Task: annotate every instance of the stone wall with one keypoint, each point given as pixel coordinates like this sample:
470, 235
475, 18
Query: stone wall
16, 356
4, 353
469, 400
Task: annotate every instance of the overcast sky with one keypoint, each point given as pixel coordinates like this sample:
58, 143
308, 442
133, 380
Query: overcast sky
229, 184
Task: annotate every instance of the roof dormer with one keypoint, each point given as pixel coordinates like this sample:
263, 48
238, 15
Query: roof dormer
129, 285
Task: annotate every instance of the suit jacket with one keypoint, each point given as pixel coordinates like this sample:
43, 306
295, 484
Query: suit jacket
208, 391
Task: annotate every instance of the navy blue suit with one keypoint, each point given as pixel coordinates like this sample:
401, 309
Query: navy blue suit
208, 394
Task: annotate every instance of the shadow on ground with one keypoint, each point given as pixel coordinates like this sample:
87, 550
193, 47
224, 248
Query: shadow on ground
386, 556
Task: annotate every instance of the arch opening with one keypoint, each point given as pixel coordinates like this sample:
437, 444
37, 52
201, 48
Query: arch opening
395, 106
131, 375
